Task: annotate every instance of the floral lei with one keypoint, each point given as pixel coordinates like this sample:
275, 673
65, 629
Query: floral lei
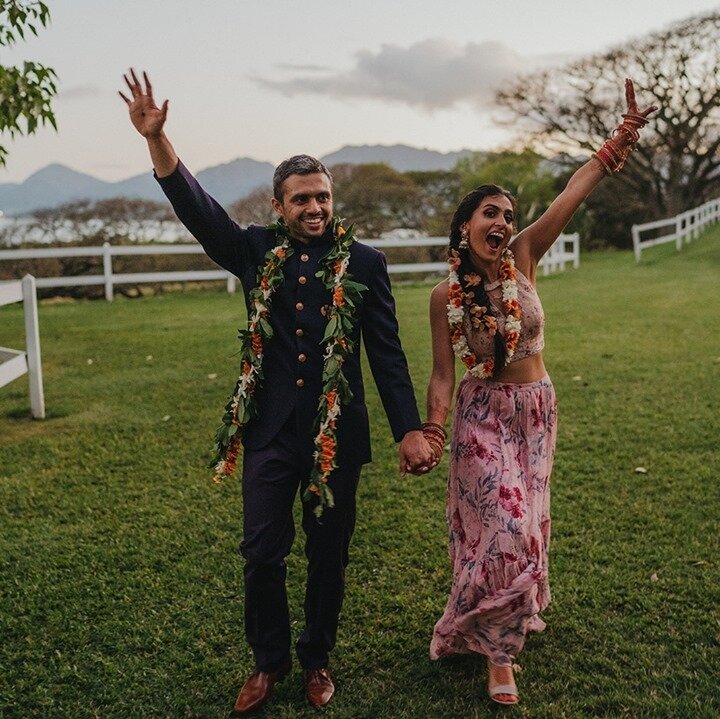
242, 406
458, 299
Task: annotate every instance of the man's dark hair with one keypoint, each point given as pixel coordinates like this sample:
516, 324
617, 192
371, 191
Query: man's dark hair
296, 165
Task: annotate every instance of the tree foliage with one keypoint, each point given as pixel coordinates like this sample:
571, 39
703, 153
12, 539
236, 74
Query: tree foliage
572, 110
254, 209
526, 174
26, 91
440, 192
376, 198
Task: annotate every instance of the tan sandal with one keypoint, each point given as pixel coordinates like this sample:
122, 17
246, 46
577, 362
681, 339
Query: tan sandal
495, 691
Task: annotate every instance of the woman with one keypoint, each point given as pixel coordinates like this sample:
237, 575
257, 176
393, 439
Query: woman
504, 421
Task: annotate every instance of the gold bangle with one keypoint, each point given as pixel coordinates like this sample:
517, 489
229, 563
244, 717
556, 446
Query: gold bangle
605, 166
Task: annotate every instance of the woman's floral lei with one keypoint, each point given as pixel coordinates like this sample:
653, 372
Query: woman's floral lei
458, 300
242, 406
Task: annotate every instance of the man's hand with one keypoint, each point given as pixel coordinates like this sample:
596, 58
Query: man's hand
145, 115
415, 453
149, 120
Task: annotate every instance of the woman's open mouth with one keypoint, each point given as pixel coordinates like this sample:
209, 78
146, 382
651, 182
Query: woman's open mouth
494, 239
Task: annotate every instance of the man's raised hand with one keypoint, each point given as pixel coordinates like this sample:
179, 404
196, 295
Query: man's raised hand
147, 118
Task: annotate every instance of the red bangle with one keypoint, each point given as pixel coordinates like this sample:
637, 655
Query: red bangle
434, 428
433, 424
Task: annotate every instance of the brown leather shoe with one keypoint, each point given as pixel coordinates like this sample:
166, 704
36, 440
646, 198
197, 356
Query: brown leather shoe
319, 687
257, 689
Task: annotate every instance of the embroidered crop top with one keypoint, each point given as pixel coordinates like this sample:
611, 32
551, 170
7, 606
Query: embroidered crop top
532, 322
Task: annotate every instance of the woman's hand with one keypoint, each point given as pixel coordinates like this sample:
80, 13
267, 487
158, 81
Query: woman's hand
633, 114
632, 103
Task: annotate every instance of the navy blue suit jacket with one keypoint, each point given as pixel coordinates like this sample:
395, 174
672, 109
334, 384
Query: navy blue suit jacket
296, 351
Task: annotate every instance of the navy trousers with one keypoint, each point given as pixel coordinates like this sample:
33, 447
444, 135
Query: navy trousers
270, 481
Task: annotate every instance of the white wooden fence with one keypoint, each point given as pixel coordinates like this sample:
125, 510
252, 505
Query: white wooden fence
555, 259
559, 254
683, 227
15, 363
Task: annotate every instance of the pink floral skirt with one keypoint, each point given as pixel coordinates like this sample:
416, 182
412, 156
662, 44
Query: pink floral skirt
498, 511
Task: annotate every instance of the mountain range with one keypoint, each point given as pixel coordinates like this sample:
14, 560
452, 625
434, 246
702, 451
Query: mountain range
57, 184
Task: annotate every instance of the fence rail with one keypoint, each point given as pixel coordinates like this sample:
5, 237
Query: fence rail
683, 227
16, 363
555, 259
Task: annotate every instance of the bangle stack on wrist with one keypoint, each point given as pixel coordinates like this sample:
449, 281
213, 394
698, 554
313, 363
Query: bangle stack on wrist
613, 154
436, 436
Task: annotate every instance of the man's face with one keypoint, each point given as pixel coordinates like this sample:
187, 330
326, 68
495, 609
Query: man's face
306, 205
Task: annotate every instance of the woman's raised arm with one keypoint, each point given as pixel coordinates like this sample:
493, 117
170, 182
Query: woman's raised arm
535, 240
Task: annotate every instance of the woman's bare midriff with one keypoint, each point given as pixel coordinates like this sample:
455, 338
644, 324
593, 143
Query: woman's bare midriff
528, 369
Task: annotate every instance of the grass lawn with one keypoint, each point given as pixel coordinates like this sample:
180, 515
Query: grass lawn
120, 581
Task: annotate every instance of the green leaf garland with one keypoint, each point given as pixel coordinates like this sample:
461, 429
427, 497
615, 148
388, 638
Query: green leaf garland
341, 314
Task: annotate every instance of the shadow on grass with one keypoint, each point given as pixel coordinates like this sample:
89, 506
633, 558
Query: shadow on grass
24, 414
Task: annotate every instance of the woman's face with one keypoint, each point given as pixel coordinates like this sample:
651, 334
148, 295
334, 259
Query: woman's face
490, 229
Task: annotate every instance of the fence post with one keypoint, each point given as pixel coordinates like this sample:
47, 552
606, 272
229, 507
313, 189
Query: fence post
576, 250
32, 347
231, 282
678, 233
636, 243
107, 271
547, 259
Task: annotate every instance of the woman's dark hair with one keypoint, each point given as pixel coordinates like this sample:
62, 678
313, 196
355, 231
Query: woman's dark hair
463, 213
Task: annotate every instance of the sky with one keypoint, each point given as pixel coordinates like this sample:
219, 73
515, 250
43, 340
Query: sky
271, 78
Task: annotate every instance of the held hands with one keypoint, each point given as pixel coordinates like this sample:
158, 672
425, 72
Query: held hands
416, 455
436, 437
145, 115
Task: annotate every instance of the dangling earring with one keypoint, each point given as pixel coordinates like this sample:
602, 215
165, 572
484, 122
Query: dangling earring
464, 238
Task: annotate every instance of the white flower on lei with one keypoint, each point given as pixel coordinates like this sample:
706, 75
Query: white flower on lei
222, 469
479, 371
509, 290
245, 381
513, 324
334, 410
455, 314
260, 308
330, 350
343, 269
461, 346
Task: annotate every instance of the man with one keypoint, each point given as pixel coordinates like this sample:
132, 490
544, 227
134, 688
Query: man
279, 441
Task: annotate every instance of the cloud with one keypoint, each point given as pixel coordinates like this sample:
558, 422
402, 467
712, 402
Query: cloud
302, 68
432, 74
